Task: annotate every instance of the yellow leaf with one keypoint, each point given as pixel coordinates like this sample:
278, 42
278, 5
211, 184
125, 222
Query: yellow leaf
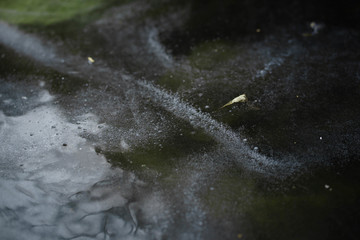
241, 98
91, 60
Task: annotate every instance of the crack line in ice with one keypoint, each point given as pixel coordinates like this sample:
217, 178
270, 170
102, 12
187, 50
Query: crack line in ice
223, 135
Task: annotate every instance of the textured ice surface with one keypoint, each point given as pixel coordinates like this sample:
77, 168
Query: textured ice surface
134, 146
55, 186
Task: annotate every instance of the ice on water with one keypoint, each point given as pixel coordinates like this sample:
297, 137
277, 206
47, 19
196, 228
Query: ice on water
55, 185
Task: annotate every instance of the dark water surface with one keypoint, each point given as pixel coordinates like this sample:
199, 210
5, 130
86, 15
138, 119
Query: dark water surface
111, 126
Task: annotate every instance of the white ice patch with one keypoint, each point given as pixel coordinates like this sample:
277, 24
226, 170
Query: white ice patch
54, 185
47, 147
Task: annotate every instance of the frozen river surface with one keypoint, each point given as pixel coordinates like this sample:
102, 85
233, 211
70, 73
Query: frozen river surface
111, 124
